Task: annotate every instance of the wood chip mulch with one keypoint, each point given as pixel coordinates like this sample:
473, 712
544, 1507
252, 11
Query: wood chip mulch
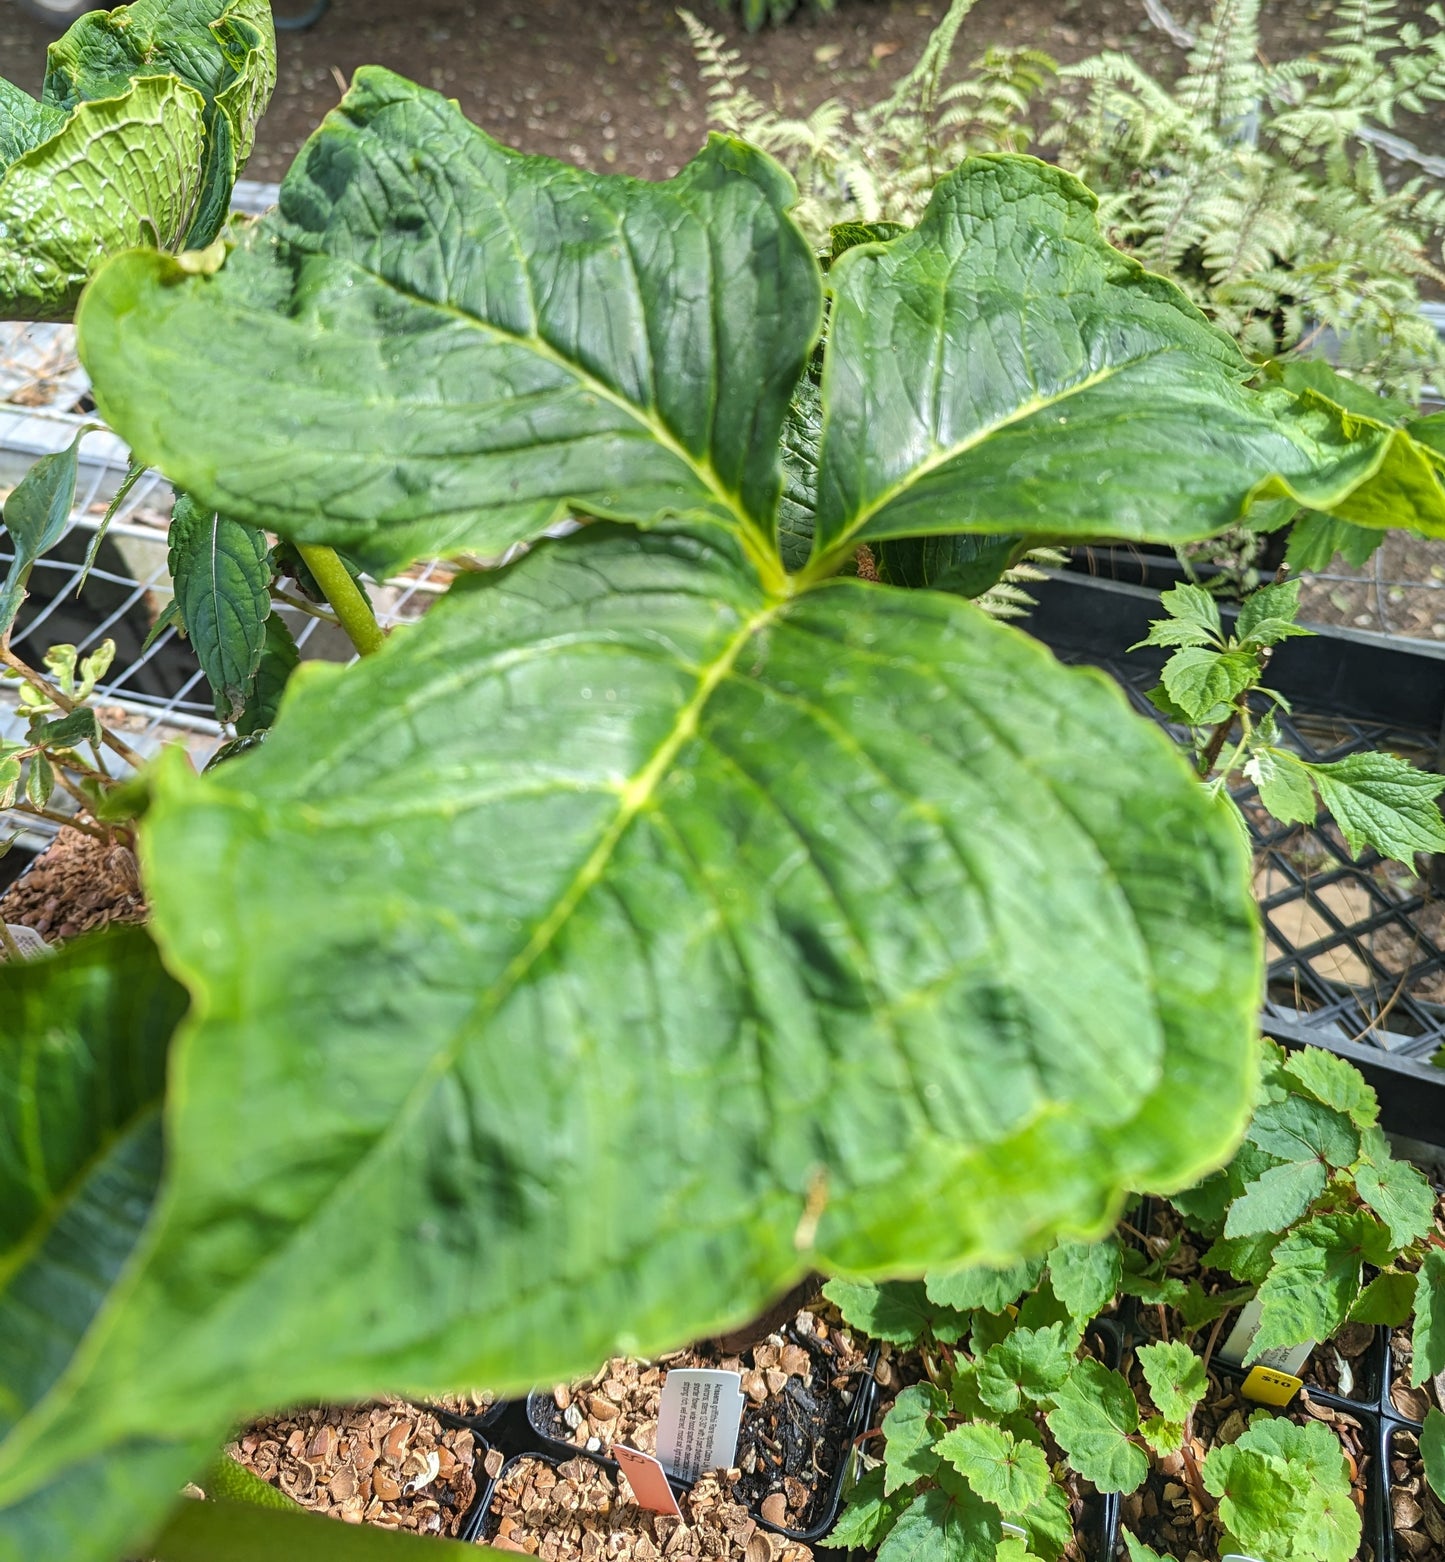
799, 1381
391, 1464
77, 885
575, 1512
1416, 1512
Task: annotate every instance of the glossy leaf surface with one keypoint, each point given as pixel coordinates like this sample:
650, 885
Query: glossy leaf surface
438, 344
716, 961
1003, 369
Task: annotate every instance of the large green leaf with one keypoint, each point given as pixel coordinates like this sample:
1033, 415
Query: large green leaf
83, 1043
679, 939
1002, 369
147, 116
438, 344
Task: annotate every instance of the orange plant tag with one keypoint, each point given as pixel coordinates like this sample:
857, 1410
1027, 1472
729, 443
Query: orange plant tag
647, 1479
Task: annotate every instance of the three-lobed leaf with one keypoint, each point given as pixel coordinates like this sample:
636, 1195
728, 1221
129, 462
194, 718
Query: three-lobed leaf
1175, 1376
1026, 1367
1315, 1278
1094, 1417
1011, 1474
1395, 1190
910, 1430
1085, 1276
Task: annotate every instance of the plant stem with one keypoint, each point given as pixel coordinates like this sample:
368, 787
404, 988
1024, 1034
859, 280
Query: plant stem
116, 745
68, 821
352, 609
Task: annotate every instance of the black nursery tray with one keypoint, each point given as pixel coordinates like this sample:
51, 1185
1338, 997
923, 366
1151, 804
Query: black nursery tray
1356, 950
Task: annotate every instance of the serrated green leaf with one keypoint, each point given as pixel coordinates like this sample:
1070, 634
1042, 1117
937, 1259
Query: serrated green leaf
1383, 801
1027, 1367
1432, 1450
1428, 1338
84, 1037
1198, 1307
898, 1311
949, 1523
1205, 684
24, 123
1267, 616
1193, 619
1012, 1475
1276, 1199
636, 889
1388, 1299
1246, 1258
1138, 1551
1397, 1193
910, 1430
1315, 1279
1085, 1275
1285, 784
1175, 1376
977, 1285
1154, 1290
222, 582
1093, 1419
279, 659
667, 399
1284, 1490
35, 517
80, 726
1164, 1437
1334, 1082
868, 1514
1050, 1524
1315, 539
1297, 1129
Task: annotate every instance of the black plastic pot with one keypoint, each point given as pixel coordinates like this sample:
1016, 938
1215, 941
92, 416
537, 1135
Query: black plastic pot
857, 1422
1349, 691
479, 1423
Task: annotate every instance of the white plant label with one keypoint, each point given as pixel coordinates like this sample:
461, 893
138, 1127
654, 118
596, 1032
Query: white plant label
1283, 1358
30, 944
698, 1421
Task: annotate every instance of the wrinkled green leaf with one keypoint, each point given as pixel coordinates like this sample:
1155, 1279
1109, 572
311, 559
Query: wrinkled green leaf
979, 364
1315, 1279
898, 1311
1428, 1340
84, 1037
1012, 1475
1276, 1199
24, 123
910, 1430
978, 1285
1335, 1083
1383, 801
948, 1523
1192, 619
1027, 1366
1286, 784
1093, 1418
1085, 1275
80, 726
222, 582
678, 844
1175, 1376
418, 359
1267, 616
35, 517
1205, 684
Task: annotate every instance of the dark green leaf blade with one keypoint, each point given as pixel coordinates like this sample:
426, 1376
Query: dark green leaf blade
487, 342
1276, 1199
1001, 368
639, 895
1316, 1279
1093, 1419
1383, 801
898, 1311
279, 659
949, 1523
84, 1037
222, 583
35, 517
1429, 1335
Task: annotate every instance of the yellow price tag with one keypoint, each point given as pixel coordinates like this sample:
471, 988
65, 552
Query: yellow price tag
1269, 1387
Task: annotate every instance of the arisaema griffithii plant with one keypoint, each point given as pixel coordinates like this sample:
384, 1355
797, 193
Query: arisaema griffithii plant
671, 912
